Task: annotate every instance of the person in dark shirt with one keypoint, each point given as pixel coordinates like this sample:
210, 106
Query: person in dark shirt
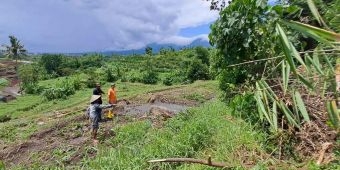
98, 91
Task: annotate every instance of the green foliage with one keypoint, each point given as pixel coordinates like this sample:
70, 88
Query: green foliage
5, 118
57, 65
202, 54
166, 51
29, 76
149, 77
110, 75
244, 106
194, 133
175, 77
196, 97
3, 82
15, 50
243, 32
272, 108
148, 51
168, 81
63, 89
51, 63
197, 71
332, 15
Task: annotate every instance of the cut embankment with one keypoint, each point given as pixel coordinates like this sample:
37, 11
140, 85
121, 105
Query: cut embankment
200, 132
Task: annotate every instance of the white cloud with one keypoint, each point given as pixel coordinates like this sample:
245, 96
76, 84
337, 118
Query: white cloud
183, 40
87, 25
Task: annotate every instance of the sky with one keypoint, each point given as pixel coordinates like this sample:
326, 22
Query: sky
68, 26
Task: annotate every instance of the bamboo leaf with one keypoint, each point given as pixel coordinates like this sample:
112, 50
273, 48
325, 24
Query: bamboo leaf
316, 60
333, 113
297, 56
329, 63
275, 124
314, 32
305, 82
295, 108
262, 109
288, 114
285, 76
308, 61
257, 97
301, 106
316, 13
324, 89
268, 90
286, 47
316, 66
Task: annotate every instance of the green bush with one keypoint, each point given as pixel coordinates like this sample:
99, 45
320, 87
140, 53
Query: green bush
77, 83
124, 78
4, 118
3, 82
134, 76
168, 81
66, 71
61, 91
244, 106
150, 77
32, 88
197, 71
110, 75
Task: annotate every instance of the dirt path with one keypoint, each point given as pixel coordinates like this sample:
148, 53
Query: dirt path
67, 140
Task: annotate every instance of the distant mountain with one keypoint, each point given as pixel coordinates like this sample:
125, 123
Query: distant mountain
157, 47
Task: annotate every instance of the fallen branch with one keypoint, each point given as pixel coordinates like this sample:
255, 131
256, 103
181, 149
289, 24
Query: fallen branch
191, 160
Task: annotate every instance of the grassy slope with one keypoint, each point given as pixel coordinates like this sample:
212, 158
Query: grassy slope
28, 110
202, 131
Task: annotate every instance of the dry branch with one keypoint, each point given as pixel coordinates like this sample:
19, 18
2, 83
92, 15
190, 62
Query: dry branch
191, 160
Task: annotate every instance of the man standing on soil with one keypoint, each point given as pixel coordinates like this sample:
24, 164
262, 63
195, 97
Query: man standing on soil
98, 91
112, 94
95, 112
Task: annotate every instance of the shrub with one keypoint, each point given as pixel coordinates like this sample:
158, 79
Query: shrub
91, 82
32, 88
5, 118
124, 78
150, 77
61, 91
93, 78
110, 75
29, 75
66, 71
244, 106
168, 81
134, 76
197, 71
77, 83
3, 82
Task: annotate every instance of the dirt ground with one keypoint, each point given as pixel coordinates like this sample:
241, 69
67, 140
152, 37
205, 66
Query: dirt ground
7, 71
67, 141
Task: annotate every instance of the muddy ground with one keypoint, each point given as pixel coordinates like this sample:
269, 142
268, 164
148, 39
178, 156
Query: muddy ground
67, 141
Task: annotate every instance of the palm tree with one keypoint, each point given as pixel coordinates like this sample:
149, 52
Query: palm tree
15, 50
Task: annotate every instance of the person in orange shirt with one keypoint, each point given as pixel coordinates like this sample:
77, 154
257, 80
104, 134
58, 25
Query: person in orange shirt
112, 94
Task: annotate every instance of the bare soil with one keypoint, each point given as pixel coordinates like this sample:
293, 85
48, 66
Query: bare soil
7, 71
